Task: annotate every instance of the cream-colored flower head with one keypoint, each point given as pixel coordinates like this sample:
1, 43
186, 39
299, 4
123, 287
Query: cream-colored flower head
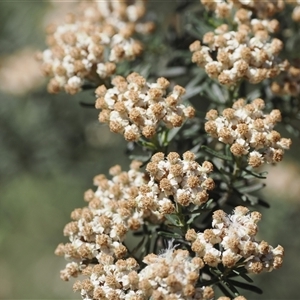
101, 227
183, 180
135, 108
235, 238
263, 9
247, 53
252, 16
288, 83
97, 232
249, 131
173, 275
88, 46
119, 204
124, 202
110, 279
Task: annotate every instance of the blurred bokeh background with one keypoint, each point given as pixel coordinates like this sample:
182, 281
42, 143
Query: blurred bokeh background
51, 148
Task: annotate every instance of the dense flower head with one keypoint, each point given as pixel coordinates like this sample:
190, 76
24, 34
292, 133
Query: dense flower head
124, 202
249, 131
134, 108
110, 279
248, 53
173, 275
96, 251
170, 275
288, 83
183, 180
88, 46
101, 227
231, 241
263, 9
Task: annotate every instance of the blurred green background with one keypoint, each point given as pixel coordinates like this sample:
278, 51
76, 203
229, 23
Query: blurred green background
50, 150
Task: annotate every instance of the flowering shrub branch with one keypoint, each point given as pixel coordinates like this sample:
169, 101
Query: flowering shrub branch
181, 221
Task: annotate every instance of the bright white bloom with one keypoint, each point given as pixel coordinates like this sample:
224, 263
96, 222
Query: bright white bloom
172, 273
233, 238
249, 131
93, 40
135, 108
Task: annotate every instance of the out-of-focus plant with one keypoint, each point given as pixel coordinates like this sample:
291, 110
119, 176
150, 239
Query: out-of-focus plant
197, 96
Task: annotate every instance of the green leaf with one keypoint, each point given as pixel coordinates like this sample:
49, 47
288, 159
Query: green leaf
245, 286
141, 158
208, 203
263, 203
172, 71
174, 220
228, 284
201, 74
254, 200
199, 209
257, 175
218, 92
250, 198
225, 291
172, 133
147, 144
227, 151
216, 153
251, 188
242, 273
293, 130
138, 246
163, 137
138, 233
192, 131
223, 174
254, 94
192, 92
246, 277
193, 217
173, 235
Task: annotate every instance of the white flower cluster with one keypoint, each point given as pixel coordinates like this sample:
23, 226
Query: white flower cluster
249, 131
183, 180
173, 275
263, 9
88, 46
98, 231
110, 280
288, 83
123, 203
232, 241
100, 228
134, 107
239, 54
